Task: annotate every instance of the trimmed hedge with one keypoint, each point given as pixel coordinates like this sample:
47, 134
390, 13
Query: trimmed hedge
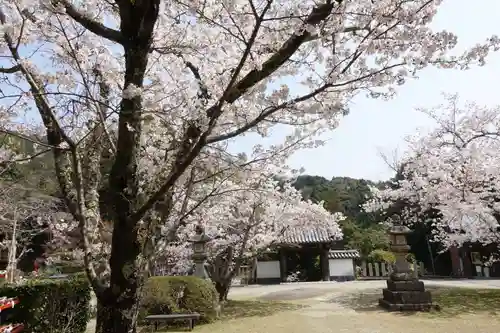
382, 256
56, 306
179, 294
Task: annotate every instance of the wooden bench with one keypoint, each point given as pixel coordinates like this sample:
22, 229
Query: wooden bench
155, 320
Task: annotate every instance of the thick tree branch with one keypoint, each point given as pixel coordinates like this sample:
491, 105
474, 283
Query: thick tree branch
27, 138
286, 51
10, 70
83, 218
193, 143
184, 207
270, 110
214, 112
266, 113
89, 24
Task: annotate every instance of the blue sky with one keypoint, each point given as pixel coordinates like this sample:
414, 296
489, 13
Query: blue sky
353, 149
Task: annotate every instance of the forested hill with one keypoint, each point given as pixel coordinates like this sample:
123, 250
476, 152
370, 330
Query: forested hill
340, 194
347, 195
37, 173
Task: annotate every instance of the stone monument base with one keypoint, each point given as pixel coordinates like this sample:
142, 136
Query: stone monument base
406, 296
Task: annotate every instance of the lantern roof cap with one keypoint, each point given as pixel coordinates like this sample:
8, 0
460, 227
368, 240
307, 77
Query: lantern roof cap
399, 230
199, 235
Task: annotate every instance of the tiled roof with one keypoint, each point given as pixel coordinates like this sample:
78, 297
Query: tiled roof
311, 236
343, 254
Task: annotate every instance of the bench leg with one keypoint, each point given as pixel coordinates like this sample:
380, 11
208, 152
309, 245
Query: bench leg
191, 324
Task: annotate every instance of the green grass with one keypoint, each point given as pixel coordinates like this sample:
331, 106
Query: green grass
235, 309
450, 301
456, 301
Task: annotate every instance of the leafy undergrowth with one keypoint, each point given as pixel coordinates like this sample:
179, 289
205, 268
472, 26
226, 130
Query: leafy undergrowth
448, 301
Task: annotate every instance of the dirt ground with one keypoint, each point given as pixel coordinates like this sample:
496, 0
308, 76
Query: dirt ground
322, 317
328, 310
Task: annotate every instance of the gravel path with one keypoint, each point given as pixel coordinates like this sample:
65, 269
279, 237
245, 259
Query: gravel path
289, 290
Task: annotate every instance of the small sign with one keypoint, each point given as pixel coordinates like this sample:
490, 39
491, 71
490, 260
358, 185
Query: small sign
198, 247
475, 258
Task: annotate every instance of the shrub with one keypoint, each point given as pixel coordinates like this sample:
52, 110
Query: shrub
382, 256
179, 294
50, 306
410, 257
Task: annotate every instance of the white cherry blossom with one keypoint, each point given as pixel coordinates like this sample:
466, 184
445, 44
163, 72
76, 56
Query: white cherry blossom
453, 169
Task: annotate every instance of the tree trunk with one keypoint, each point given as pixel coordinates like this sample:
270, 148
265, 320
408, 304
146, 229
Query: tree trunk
222, 288
118, 305
12, 263
429, 249
116, 319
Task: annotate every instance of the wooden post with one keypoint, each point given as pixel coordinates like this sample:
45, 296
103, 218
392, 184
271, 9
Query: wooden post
325, 266
421, 268
467, 263
283, 268
455, 261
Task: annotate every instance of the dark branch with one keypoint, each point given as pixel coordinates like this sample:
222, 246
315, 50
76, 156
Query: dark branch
286, 51
91, 25
196, 73
10, 70
204, 93
266, 113
272, 109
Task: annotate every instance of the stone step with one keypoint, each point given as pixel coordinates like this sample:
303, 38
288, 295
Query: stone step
411, 285
407, 297
404, 307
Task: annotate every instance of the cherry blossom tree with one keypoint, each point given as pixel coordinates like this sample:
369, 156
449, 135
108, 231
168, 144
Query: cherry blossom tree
162, 87
453, 170
249, 218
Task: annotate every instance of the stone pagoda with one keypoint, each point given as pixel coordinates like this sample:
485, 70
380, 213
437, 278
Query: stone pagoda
199, 241
404, 291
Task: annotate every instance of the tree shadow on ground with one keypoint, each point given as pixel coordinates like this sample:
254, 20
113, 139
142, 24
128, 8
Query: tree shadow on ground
448, 302
238, 309
360, 301
234, 309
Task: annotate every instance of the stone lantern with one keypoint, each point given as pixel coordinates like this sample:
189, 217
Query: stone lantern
199, 241
404, 291
401, 270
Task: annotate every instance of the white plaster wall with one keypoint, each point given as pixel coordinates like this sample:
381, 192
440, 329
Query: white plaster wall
341, 267
268, 269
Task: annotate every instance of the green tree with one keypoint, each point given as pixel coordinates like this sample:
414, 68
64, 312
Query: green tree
347, 195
